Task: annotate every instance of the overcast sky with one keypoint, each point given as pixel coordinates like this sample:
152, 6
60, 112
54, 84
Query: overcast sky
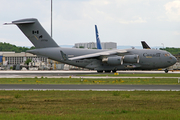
125, 22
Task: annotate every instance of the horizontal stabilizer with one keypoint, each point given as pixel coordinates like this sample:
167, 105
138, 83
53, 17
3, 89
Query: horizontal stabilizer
18, 23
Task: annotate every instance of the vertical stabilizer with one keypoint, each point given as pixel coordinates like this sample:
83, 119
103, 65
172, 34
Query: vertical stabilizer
35, 33
97, 38
145, 45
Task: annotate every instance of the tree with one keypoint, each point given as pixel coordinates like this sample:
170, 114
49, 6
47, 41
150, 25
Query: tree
27, 61
81, 46
172, 50
9, 47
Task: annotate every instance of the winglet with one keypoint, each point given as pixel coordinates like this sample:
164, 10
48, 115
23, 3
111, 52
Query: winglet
63, 55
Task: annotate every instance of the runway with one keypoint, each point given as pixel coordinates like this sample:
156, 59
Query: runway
90, 87
65, 74
59, 74
48, 74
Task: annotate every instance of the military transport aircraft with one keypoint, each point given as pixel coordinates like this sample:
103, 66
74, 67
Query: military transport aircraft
94, 59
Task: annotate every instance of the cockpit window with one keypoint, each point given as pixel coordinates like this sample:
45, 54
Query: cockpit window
167, 54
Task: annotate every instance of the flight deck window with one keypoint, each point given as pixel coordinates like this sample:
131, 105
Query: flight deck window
167, 54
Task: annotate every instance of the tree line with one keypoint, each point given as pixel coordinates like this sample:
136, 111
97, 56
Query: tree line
9, 47
172, 50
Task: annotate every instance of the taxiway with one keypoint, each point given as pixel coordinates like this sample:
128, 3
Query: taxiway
90, 87
58, 74
65, 74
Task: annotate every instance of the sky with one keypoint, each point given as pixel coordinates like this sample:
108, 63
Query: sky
126, 22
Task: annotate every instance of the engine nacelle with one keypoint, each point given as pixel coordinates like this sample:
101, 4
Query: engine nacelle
116, 60
131, 59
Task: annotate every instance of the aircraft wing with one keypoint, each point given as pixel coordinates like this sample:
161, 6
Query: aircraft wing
99, 54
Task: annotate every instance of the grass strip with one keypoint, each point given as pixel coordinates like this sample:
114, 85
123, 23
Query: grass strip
42, 80
80, 105
133, 75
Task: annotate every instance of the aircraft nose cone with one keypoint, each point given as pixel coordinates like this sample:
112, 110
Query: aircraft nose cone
174, 60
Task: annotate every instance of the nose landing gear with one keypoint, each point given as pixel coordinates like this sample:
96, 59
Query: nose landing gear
166, 70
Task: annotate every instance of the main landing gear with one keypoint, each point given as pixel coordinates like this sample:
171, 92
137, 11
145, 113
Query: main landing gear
106, 71
100, 71
114, 71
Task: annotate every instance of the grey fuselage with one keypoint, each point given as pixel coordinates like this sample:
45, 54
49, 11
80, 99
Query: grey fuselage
148, 58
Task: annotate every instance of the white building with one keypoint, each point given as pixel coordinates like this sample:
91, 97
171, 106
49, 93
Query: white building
18, 58
109, 45
91, 45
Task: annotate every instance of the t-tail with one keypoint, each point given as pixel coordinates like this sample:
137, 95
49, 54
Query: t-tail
97, 38
35, 33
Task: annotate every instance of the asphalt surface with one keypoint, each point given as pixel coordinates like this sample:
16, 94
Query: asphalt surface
61, 73
90, 87
57, 74
50, 74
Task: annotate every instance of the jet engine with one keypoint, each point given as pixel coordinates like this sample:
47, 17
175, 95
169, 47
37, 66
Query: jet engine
131, 59
114, 60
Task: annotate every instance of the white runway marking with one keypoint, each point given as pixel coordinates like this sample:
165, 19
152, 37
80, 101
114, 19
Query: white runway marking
88, 90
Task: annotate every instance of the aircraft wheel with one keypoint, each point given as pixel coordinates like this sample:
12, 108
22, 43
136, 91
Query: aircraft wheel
166, 70
114, 71
107, 71
100, 71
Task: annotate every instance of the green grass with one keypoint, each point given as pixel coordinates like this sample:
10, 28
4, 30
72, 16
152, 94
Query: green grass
80, 105
158, 81
135, 75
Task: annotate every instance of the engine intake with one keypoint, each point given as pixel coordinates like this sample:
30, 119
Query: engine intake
131, 59
116, 60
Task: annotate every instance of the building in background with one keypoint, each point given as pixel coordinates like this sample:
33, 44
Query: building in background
19, 58
1, 56
92, 45
109, 45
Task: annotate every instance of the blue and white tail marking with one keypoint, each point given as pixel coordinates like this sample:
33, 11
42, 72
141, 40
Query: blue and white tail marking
97, 39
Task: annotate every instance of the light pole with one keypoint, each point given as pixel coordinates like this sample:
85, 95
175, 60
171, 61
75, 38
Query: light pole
51, 18
163, 45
